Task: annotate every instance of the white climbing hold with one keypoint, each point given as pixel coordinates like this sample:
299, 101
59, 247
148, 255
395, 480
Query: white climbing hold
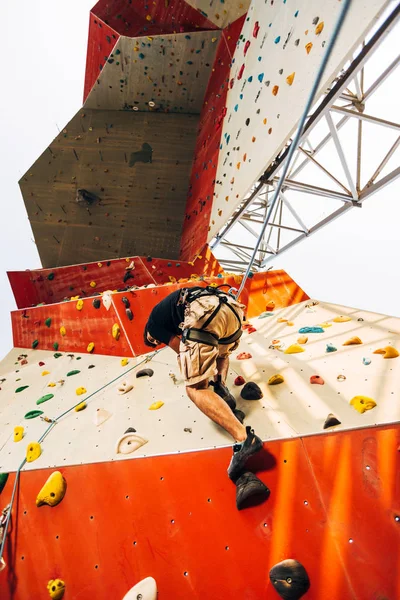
130, 442
145, 590
106, 298
124, 387
101, 415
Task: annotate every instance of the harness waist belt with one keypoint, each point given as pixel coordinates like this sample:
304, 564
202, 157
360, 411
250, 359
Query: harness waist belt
205, 337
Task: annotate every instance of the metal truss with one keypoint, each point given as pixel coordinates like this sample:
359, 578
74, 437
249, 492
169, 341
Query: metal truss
304, 208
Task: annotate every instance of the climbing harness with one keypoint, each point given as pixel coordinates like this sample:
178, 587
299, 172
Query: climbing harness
194, 334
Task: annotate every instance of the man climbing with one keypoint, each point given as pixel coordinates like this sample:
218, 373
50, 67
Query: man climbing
203, 326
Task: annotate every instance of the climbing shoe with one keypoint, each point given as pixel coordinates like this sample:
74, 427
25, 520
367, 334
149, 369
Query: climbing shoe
224, 393
242, 452
239, 414
249, 486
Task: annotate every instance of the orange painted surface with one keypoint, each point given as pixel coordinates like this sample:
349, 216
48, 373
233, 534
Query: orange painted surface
170, 515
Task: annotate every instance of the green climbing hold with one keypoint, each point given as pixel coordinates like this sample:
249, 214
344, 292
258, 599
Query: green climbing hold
117, 51
47, 322
32, 414
21, 389
35, 344
78, 357
55, 345
3, 481
45, 398
50, 276
72, 373
57, 355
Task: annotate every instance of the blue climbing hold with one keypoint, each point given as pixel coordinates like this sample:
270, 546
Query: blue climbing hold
331, 348
250, 79
277, 39
241, 96
311, 330
228, 139
366, 361
266, 314
261, 77
296, 13
236, 108
259, 58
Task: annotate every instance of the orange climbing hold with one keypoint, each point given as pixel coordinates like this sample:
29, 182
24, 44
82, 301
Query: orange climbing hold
290, 78
353, 341
388, 352
319, 28
308, 47
270, 305
275, 90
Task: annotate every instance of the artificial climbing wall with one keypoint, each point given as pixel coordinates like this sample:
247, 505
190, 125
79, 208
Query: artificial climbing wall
277, 56
141, 192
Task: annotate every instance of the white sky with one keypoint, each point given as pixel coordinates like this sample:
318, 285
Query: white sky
353, 261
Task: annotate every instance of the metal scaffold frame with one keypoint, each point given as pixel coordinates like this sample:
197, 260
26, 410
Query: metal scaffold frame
348, 98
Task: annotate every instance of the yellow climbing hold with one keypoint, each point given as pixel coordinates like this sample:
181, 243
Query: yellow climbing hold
341, 319
325, 325
275, 379
308, 47
388, 352
172, 279
92, 284
116, 332
80, 407
319, 28
156, 405
74, 297
294, 349
79, 305
303, 339
56, 589
353, 341
18, 434
282, 320
63, 331
99, 264
51, 384
124, 362
90, 347
290, 78
33, 451
290, 323
80, 391
53, 490
362, 403
45, 373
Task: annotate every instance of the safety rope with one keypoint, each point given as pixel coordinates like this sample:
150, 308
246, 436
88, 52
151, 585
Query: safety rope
54, 422
299, 132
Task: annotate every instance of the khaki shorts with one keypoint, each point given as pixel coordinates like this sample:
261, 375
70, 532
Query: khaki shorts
199, 361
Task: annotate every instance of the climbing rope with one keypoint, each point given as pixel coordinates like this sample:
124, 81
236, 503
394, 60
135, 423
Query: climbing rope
299, 132
43, 436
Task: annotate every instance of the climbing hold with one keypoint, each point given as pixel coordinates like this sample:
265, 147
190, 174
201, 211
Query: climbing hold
275, 90
124, 387
388, 352
303, 339
51, 384
280, 320
311, 330
79, 305
331, 421
275, 379
92, 284
21, 389
62, 331
156, 405
353, 341
308, 47
106, 298
56, 589
18, 434
290, 78
289, 579
53, 490
256, 29
145, 373
116, 332
124, 362
265, 314
35, 344
80, 407
317, 379
244, 356
125, 302
33, 451
45, 398
50, 276
91, 366
362, 403
96, 303
289, 323
325, 325
90, 347
3, 481
57, 355
341, 377
45, 373
129, 314
319, 28
144, 590
277, 39
32, 414
239, 380
55, 346
80, 391
101, 415
294, 349
330, 348
270, 305
47, 322
130, 442
366, 361
249, 486
251, 391
341, 319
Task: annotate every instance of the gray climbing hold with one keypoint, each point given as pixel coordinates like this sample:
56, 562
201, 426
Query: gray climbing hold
251, 391
145, 373
130, 430
289, 579
331, 421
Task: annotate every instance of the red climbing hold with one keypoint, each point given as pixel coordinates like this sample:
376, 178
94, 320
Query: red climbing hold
41, 364
239, 380
317, 379
256, 29
240, 74
246, 47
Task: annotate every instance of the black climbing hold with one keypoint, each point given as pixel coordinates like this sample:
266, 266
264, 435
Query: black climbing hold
129, 314
289, 579
86, 199
91, 366
128, 275
145, 373
50, 276
297, 42
130, 430
250, 275
149, 259
251, 391
57, 355
249, 486
108, 263
280, 71
125, 302
247, 121
331, 421
96, 303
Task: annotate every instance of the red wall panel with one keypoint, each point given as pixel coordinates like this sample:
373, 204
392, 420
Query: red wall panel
101, 41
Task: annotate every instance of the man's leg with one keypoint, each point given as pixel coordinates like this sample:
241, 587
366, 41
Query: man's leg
222, 366
216, 409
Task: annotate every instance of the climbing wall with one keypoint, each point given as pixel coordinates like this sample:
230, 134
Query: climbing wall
219, 12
